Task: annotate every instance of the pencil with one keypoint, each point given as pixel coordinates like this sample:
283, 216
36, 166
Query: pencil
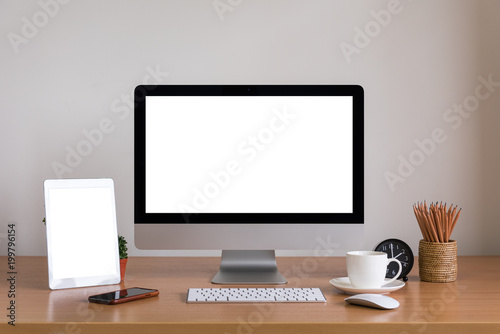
456, 218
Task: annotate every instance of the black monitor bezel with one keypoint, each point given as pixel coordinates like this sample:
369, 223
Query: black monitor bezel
142, 91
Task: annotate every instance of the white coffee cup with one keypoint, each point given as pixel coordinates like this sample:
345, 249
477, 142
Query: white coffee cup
367, 269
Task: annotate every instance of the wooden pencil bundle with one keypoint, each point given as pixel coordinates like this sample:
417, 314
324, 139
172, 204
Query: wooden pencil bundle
436, 221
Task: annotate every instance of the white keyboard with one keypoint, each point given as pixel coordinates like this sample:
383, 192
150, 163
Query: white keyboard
255, 295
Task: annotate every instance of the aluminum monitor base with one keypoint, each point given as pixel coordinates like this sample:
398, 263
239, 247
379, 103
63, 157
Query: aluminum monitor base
248, 267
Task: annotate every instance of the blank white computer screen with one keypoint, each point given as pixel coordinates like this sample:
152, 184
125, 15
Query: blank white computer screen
249, 154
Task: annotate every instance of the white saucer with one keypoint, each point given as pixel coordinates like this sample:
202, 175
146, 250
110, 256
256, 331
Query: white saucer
344, 284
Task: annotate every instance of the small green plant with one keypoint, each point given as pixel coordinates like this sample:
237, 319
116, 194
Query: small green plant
122, 247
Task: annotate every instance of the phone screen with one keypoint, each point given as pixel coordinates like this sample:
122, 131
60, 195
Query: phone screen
121, 294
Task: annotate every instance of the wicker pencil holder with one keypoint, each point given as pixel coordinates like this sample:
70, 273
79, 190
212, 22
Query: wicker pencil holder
437, 261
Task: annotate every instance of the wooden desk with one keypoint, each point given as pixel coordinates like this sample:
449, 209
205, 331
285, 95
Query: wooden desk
469, 305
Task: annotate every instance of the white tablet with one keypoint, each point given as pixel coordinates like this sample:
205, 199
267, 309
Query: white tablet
82, 238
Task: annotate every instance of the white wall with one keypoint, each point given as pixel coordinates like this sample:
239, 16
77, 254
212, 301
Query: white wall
76, 69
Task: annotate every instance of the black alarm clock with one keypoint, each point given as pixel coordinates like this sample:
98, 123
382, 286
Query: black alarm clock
397, 249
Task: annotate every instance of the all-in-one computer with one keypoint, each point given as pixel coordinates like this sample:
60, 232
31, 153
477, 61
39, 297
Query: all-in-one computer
248, 169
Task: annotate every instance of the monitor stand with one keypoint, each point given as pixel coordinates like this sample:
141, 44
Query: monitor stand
248, 267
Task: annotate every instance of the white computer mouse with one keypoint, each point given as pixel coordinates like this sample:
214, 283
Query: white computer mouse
373, 300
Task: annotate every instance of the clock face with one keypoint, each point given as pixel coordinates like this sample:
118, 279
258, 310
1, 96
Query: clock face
397, 249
